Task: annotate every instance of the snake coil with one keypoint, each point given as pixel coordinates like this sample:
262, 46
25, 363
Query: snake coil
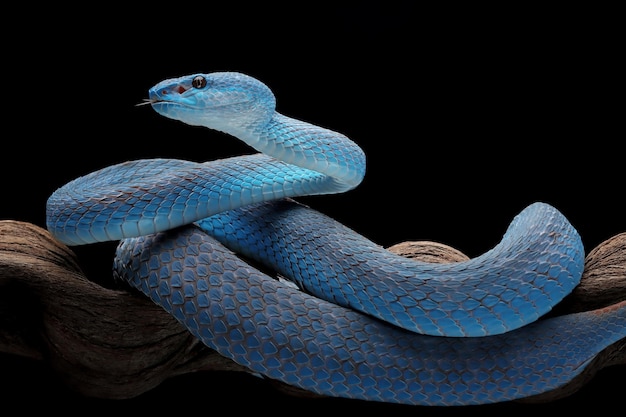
358, 321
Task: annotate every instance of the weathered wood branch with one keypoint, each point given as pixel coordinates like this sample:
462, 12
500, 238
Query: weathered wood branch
113, 343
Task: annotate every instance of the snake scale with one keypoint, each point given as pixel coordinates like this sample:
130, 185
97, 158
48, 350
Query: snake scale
355, 320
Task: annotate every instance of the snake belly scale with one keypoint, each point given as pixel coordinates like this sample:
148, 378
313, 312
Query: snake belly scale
359, 322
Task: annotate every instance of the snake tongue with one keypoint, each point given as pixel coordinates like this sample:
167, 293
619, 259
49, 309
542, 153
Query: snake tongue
145, 102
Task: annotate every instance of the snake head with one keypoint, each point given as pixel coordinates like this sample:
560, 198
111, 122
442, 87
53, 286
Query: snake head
225, 101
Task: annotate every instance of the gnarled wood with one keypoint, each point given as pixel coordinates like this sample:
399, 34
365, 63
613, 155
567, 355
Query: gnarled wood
113, 343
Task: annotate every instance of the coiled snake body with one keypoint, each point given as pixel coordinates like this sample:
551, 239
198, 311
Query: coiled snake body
360, 322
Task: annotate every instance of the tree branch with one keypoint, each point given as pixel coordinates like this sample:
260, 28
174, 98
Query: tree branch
113, 343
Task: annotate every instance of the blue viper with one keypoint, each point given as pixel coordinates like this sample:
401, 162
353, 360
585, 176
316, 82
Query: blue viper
357, 321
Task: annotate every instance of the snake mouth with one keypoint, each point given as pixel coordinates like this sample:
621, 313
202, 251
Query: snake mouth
153, 101
147, 101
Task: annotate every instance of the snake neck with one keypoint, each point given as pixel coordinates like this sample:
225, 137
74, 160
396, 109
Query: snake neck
244, 107
305, 145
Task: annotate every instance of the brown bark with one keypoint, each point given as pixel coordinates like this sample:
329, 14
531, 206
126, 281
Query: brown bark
112, 343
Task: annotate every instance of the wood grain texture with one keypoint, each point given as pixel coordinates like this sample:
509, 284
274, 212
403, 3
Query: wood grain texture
113, 343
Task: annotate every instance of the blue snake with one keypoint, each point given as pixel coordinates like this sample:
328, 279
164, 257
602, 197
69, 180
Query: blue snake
354, 320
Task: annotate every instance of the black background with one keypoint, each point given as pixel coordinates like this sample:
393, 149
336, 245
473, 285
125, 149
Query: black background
467, 115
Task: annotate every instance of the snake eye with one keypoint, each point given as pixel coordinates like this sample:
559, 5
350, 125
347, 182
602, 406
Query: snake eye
198, 82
